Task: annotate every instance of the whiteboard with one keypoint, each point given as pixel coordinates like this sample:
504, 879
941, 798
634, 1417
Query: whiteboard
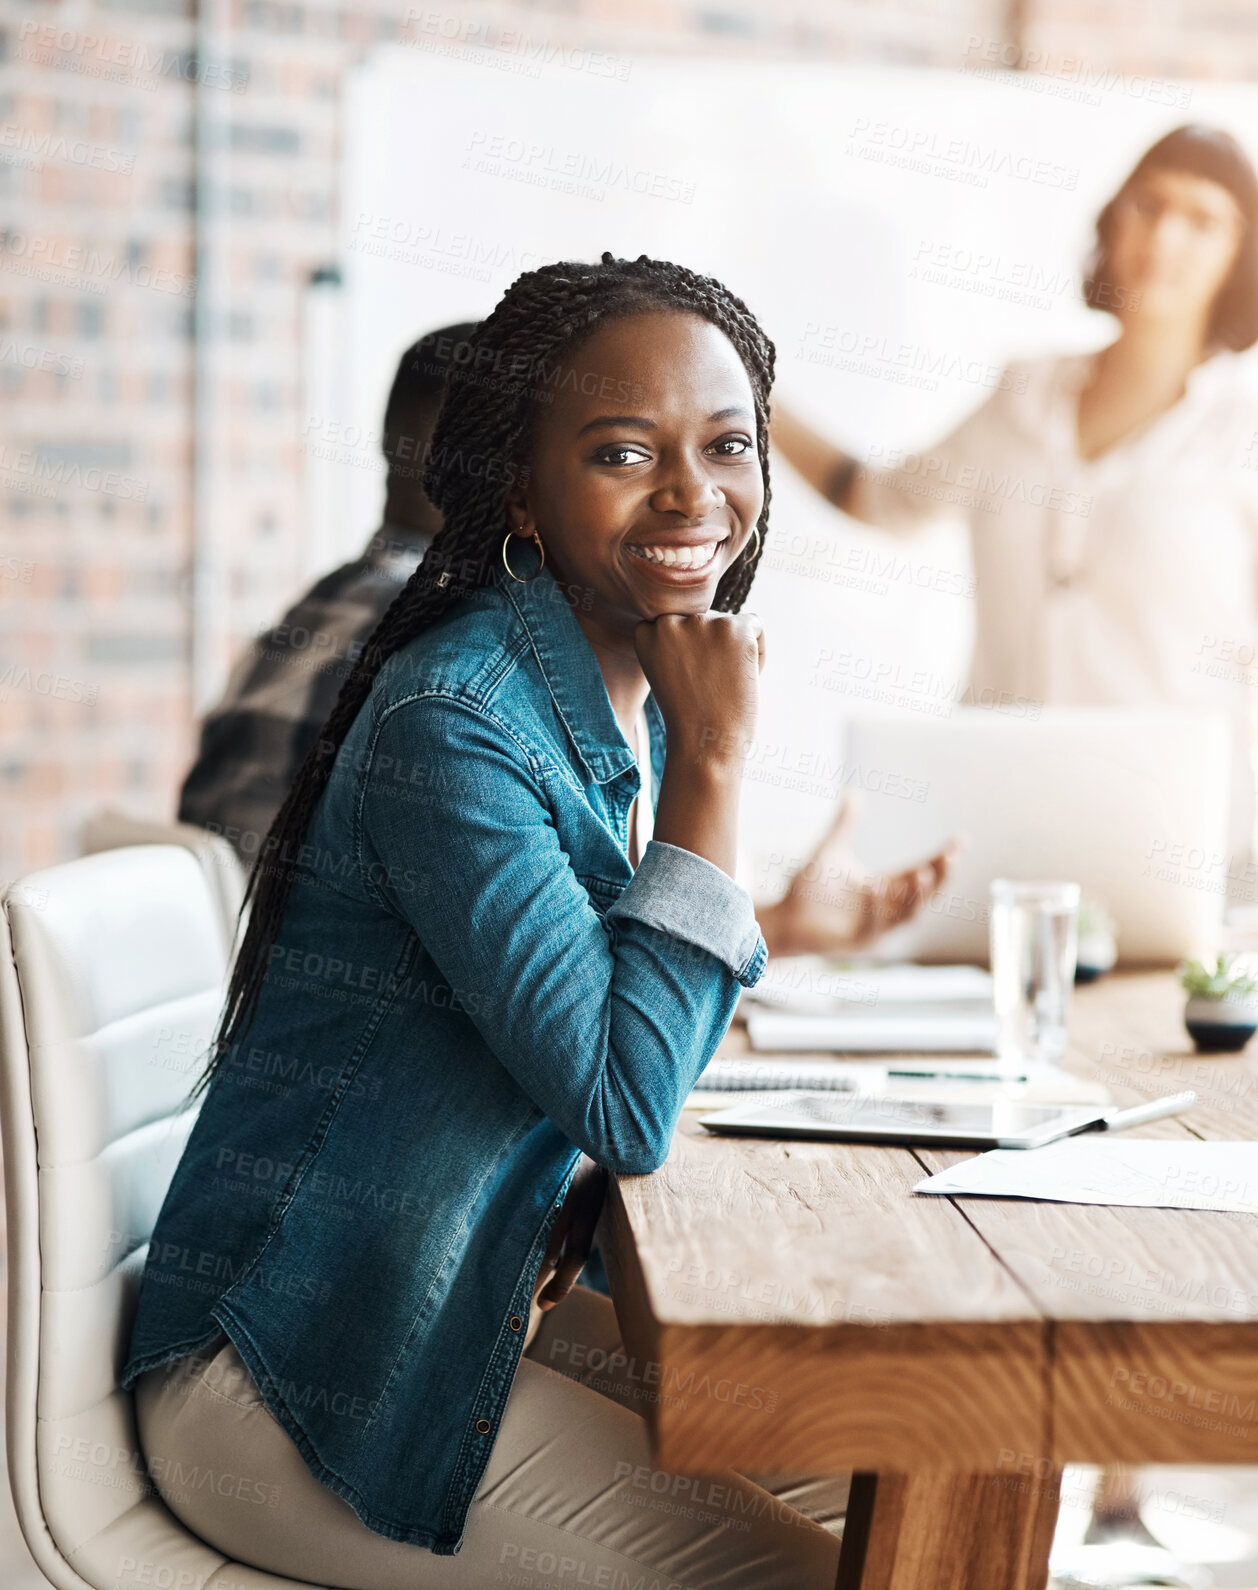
900, 234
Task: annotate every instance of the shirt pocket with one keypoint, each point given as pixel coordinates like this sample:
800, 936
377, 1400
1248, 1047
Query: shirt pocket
603, 892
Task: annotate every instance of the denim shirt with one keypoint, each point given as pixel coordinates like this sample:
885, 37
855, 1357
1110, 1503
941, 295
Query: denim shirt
470, 985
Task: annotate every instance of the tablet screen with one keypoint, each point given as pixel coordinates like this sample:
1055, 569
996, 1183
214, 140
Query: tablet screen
1002, 1122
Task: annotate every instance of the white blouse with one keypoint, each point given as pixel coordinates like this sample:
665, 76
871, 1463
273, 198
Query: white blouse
1126, 580
643, 814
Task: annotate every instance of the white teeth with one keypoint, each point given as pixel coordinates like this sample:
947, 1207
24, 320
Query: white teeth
679, 557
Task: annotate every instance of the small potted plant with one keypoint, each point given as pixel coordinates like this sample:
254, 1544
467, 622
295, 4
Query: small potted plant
1098, 947
1221, 1013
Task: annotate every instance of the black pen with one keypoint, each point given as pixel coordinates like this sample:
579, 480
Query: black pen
945, 1075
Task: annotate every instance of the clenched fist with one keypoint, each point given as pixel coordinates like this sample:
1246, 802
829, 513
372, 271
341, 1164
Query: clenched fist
704, 671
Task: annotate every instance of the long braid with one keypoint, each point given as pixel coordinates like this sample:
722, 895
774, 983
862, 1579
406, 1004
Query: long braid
480, 447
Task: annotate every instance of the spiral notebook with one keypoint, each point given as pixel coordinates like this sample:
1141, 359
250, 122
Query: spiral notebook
726, 1081
827, 1076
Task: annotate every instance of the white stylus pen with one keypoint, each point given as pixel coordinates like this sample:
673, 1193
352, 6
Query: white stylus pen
1172, 1104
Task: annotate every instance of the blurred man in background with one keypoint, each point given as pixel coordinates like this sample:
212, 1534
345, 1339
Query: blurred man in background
282, 689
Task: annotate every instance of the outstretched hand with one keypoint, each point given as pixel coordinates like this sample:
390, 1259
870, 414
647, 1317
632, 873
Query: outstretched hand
835, 903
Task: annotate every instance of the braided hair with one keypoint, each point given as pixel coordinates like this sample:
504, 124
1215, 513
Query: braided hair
501, 375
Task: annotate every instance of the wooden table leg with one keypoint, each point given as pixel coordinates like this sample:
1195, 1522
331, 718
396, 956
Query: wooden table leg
941, 1531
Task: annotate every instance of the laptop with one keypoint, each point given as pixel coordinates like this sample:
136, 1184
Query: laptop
1132, 806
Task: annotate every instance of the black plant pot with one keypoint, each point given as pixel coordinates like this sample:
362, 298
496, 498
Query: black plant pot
1220, 1026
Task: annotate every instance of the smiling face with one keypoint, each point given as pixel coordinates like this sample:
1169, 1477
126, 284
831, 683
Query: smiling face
1174, 242
644, 482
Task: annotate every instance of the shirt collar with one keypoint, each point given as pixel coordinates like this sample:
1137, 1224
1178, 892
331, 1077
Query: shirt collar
1218, 367
1069, 374
572, 675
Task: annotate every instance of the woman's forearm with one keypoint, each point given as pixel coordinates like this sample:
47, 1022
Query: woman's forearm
826, 468
704, 671
697, 808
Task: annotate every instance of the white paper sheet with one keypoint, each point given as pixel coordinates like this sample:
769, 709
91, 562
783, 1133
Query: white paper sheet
952, 1028
1097, 1168
815, 985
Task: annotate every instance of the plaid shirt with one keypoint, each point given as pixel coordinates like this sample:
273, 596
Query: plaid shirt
281, 692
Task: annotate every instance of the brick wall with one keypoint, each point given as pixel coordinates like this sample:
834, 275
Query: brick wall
112, 361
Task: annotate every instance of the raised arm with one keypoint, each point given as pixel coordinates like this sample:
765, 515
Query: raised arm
704, 671
603, 1022
826, 468
906, 491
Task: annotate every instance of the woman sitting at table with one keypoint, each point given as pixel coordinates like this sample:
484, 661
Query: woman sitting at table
479, 973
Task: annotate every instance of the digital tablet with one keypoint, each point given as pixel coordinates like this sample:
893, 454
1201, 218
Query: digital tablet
880, 1118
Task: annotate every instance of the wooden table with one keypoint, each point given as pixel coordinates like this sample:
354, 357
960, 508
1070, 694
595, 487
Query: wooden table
801, 1310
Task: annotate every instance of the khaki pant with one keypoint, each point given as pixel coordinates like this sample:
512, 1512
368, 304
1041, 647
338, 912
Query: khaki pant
569, 1498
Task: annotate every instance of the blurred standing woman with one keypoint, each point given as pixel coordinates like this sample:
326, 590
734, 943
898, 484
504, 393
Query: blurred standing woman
1112, 497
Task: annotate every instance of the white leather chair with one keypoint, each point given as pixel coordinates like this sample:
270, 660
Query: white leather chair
111, 973
110, 830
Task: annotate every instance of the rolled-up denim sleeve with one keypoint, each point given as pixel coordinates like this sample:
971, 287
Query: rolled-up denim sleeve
686, 896
604, 1022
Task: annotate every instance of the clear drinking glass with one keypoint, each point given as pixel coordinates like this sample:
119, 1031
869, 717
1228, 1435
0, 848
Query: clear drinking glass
1033, 939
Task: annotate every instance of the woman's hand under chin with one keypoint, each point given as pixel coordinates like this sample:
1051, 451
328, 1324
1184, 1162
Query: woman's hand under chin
704, 671
834, 903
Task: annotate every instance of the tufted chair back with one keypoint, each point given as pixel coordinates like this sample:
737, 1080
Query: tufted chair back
111, 977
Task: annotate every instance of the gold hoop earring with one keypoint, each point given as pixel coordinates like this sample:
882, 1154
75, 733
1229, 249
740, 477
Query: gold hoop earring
755, 530
510, 536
